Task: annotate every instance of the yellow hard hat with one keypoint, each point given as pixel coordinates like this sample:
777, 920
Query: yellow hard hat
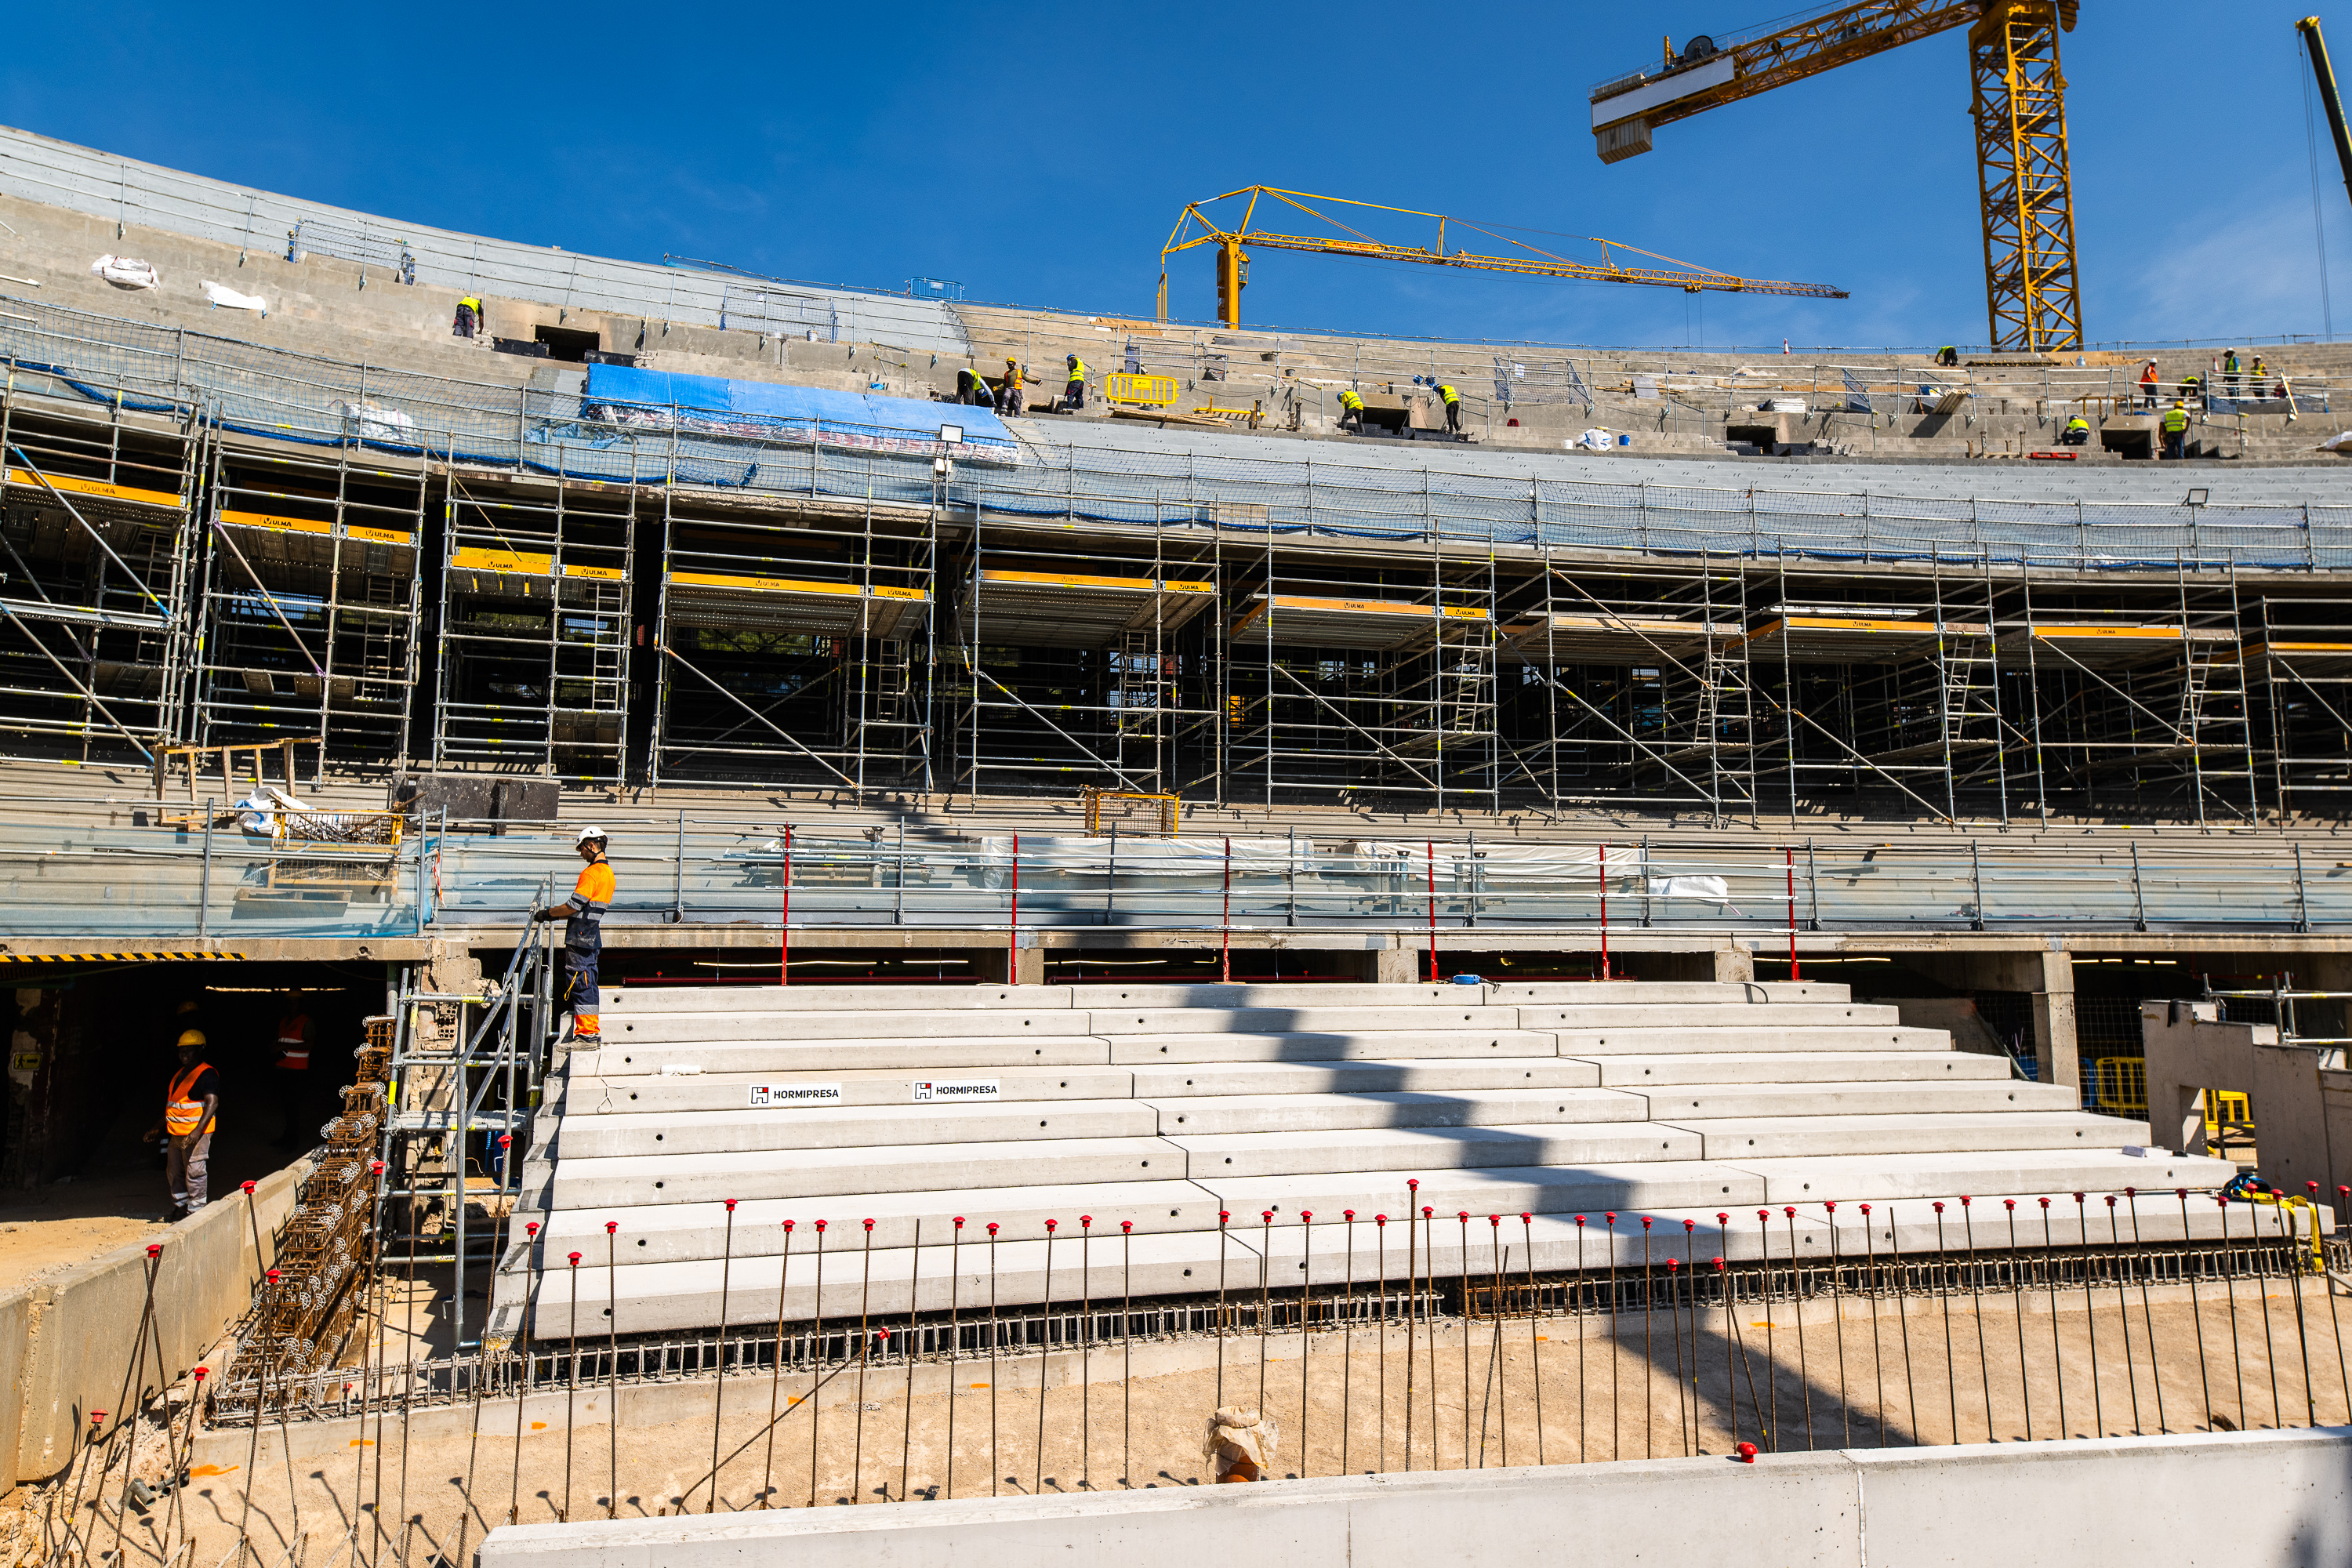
192, 1037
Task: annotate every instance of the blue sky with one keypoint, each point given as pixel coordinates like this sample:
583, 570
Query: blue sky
1039, 154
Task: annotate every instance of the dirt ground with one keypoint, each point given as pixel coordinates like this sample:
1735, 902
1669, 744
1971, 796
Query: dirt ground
1944, 1368
118, 1197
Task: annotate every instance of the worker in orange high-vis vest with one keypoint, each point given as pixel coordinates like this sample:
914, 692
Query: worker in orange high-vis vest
583, 932
293, 1068
191, 1107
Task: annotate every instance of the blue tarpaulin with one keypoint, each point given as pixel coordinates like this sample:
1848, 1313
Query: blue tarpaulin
717, 405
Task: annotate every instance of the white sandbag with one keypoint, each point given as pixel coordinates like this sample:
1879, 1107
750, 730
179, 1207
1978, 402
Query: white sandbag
126, 271
230, 300
1597, 440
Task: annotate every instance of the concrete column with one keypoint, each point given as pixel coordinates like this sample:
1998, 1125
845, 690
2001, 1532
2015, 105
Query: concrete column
1395, 965
1733, 962
2048, 980
1028, 966
2057, 1060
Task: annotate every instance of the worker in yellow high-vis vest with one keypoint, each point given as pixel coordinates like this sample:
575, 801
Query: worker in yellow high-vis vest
1074, 395
1453, 399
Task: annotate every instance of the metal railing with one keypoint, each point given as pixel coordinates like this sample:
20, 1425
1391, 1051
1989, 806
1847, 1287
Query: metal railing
212, 881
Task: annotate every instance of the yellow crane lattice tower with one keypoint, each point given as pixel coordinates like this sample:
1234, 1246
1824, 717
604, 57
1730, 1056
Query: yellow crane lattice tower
2018, 103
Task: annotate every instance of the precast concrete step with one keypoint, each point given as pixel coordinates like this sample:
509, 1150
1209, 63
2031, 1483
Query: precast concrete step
652, 1233
879, 1127
886, 1283
817, 1173
1767, 1033
1655, 993
1114, 1021
1812, 1100
1395, 1075
823, 1053
887, 1023
1328, 1045
1741, 1138
1845, 1178
588, 1095
1593, 1189
1873, 1064
1307, 1153
1778, 1015
1115, 997
636, 1001
1265, 1115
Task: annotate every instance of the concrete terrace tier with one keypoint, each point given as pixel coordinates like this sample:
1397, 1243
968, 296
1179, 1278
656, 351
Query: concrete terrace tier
1211, 1120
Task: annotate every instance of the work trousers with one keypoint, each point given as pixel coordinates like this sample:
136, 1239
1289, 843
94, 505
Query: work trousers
581, 996
187, 1161
1074, 396
2172, 442
1454, 417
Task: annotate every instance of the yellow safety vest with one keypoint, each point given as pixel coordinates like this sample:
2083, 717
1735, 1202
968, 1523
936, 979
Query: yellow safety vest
1078, 371
2176, 420
1449, 395
1351, 403
183, 1115
470, 303
2078, 422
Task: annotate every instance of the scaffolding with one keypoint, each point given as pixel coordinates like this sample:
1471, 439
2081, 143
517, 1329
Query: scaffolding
94, 563
1357, 677
1092, 664
308, 602
796, 645
1629, 684
2301, 657
535, 625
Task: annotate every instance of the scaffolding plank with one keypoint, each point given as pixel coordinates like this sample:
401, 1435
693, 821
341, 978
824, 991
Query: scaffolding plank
721, 601
2303, 658
1078, 609
23, 478
1611, 639
2110, 646
1379, 625
1853, 639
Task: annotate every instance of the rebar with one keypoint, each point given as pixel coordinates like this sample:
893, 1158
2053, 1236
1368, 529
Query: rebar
718, 1367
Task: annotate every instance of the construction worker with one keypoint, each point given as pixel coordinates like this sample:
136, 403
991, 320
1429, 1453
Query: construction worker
469, 318
2147, 384
2176, 428
2076, 434
583, 932
1948, 354
1074, 395
2230, 372
1453, 401
2261, 372
972, 388
1351, 410
293, 1068
191, 1107
1008, 392
2192, 386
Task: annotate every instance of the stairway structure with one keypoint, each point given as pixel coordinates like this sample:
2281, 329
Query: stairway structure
1213, 1120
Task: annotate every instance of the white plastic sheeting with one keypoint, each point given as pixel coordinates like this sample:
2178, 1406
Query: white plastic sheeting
127, 271
228, 298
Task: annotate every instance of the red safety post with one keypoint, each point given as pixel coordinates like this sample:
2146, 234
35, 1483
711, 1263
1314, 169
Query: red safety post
1789, 857
1431, 848
1225, 946
1603, 873
785, 956
1012, 925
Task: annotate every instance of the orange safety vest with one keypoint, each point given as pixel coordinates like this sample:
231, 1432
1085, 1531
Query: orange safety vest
183, 1115
294, 1042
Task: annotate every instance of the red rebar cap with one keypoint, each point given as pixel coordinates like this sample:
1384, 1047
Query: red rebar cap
1673, 1264
1938, 1205
155, 1249
1718, 1265
1428, 1213
1645, 1222
1087, 1220
992, 1226
1348, 1214
530, 1228
2009, 1204
96, 1416
730, 1208
271, 1276
575, 1260
1380, 1219
959, 1222
1462, 1215
201, 1373
1580, 1222
1495, 1221
788, 1225
1412, 1183
1747, 1453
2044, 1201
1790, 1210
2111, 1200
612, 1225
1266, 1216
247, 1187
1721, 1217
375, 1167
1611, 1217
1126, 1226
1829, 1207
868, 1224
1050, 1225
820, 1224
1306, 1217
1223, 1215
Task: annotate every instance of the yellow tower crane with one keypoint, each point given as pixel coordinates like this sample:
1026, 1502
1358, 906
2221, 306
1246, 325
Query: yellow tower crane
2018, 104
1198, 226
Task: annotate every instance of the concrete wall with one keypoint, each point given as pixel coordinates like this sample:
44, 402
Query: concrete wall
67, 1343
2278, 1500
2302, 1111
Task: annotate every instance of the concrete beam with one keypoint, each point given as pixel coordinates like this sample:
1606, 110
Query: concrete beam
2051, 1505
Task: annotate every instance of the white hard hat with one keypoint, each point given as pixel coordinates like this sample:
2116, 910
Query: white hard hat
586, 834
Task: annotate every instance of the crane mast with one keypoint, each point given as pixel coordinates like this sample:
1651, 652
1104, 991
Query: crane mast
2017, 102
